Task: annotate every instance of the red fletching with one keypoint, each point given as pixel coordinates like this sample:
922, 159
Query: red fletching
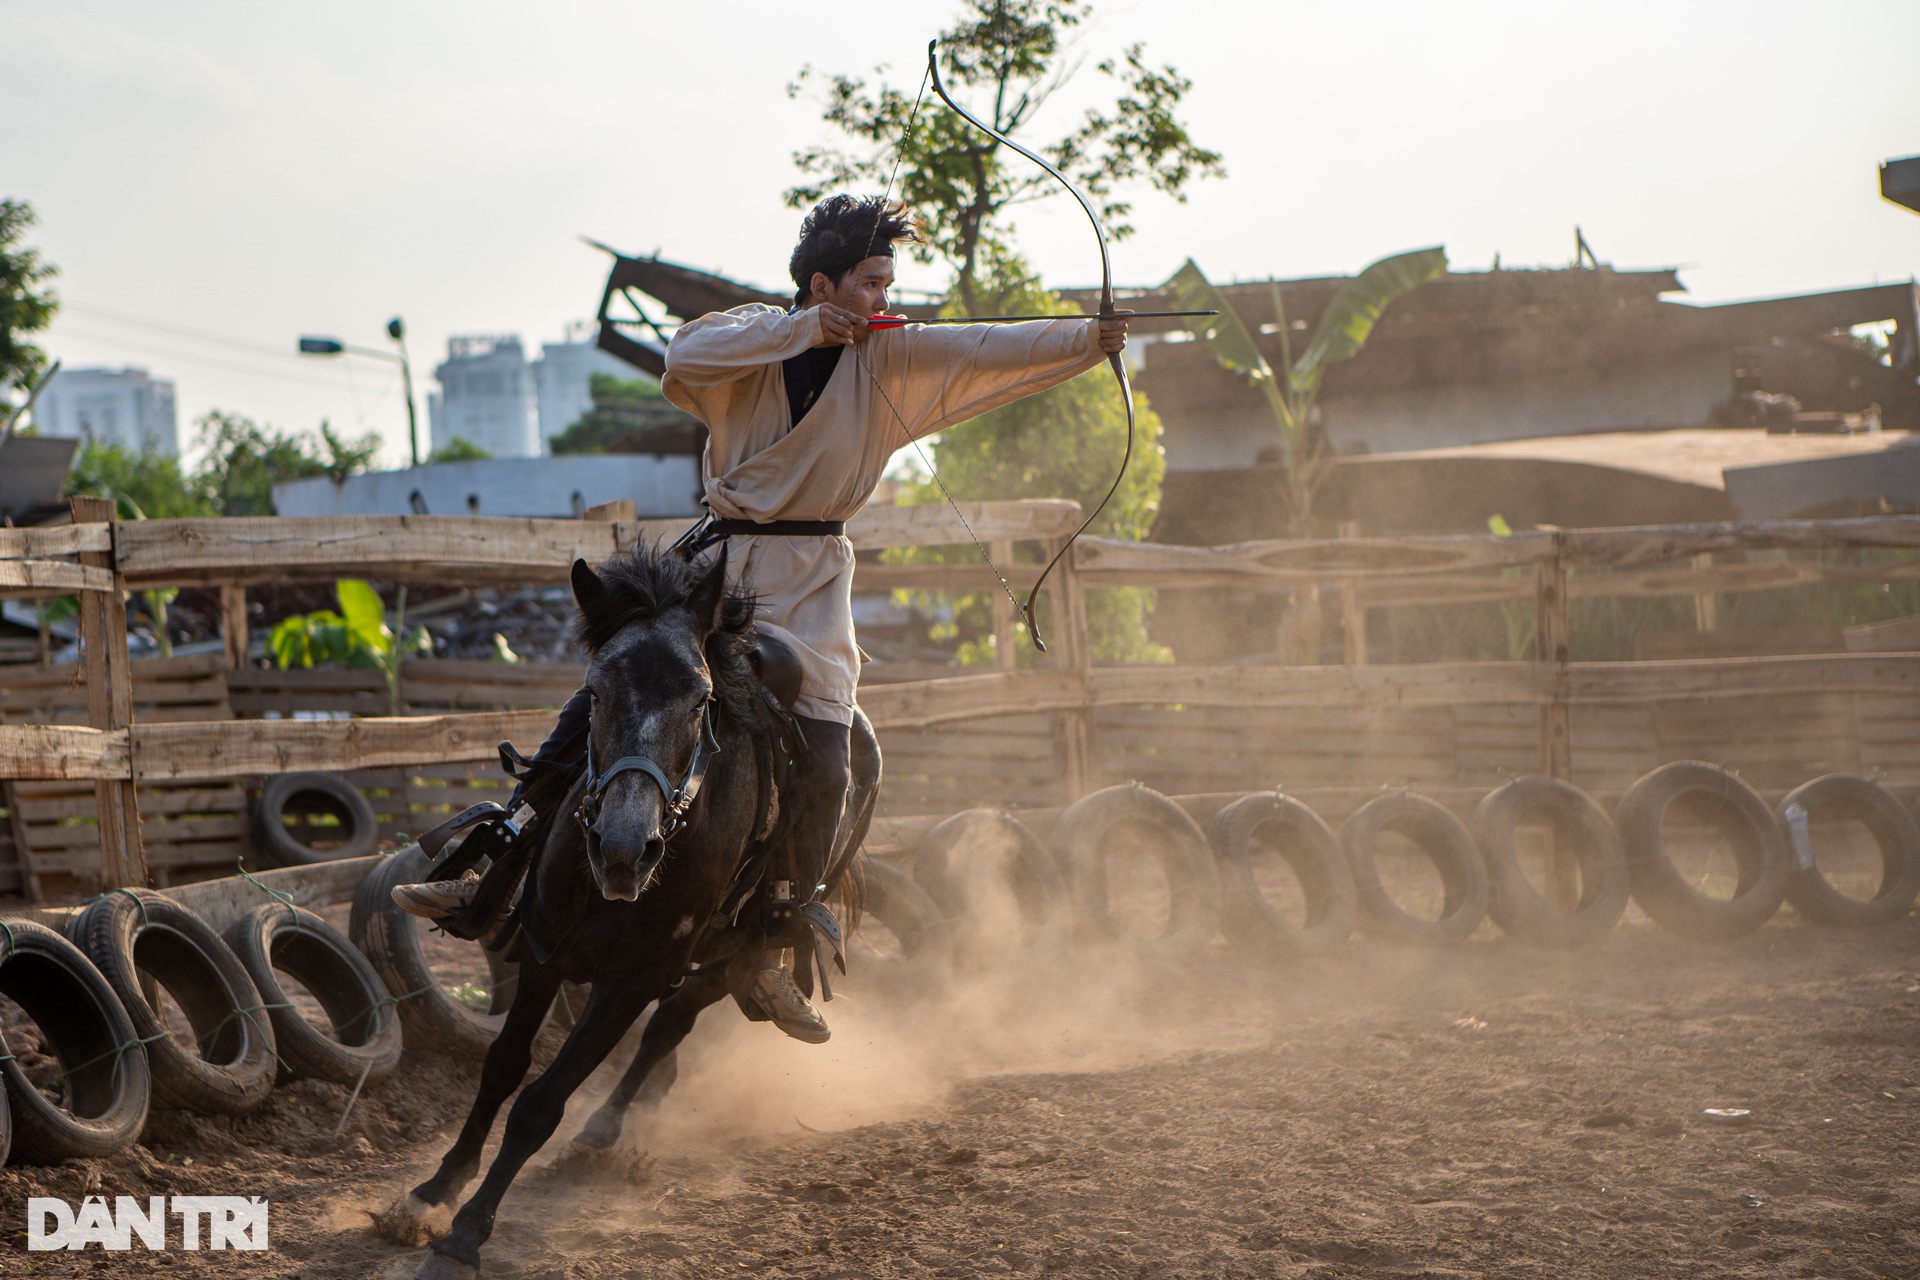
881, 320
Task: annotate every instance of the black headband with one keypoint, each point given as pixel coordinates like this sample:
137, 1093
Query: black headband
836, 263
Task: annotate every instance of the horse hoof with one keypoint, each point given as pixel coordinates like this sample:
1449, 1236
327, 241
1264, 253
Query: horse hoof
438, 1266
412, 1221
600, 1132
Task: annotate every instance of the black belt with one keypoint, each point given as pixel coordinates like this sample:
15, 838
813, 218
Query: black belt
777, 528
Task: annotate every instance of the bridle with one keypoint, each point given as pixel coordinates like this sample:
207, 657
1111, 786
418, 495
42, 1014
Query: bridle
679, 799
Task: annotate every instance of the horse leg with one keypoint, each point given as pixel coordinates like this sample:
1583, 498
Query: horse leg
427, 1209
535, 1114
653, 1069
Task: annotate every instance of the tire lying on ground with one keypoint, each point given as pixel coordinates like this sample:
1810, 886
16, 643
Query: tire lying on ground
1439, 835
1087, 832
975, 857
890, 896
1744, 821
1840, 795
99, 1102
137, 938
365, 1044
1309, 848
1582, 831
359, 831
390, 940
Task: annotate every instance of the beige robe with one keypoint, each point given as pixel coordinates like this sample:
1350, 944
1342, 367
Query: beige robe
725, 369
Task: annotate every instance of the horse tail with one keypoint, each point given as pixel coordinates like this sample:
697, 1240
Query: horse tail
847, 894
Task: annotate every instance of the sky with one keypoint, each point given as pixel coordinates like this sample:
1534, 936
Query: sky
216, 179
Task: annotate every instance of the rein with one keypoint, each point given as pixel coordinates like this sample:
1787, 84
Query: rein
678, 799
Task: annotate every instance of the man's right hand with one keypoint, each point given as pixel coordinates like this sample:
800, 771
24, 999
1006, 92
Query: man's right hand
840, 327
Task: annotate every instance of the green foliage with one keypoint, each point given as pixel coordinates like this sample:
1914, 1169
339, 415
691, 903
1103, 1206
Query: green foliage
1004, 59
1343, 331
356, 636
148, 482
244, 461
624, 411
27, 304
1063, 443
460, 449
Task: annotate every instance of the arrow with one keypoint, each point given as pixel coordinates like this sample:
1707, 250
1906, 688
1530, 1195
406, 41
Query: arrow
881, 320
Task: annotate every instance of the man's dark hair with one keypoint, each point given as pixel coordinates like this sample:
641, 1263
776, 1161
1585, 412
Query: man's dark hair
843, 231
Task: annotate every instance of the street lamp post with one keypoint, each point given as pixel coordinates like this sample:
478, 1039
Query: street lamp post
397, 330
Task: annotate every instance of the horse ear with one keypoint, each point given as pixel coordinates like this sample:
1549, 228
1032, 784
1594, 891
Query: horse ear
588, 590
705, 600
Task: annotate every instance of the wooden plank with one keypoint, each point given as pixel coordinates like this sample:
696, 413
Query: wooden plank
967, 575
109, 679
1113, 562
1653, 544
925, 702
1435, 684
223, 901
55, 540
53, 575
1744, 677
233, 624
197, 751
423, 548
397, 548
1552, 651
936, 524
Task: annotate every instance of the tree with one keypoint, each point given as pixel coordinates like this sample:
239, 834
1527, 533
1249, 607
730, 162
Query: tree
460, 449
1344, 329
629, 415
1010, 53
1063, 443
244, 461
149, 481
27, 305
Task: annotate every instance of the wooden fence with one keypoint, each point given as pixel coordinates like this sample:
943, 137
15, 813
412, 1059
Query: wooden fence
1025, 736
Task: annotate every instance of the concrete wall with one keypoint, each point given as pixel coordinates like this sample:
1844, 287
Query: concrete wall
537, 487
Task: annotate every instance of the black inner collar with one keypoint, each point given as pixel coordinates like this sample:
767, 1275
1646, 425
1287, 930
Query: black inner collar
806, 377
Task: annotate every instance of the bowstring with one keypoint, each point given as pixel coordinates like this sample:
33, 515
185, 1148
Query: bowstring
886, 192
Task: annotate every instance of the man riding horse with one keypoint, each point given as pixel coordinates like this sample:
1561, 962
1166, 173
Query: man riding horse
798, 438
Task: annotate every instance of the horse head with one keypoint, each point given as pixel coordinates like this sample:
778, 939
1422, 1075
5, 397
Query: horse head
648, 622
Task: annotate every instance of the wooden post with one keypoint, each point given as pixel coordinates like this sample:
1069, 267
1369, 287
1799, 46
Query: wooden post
1073, 651
1006, 649
103, 636
1706, 604
1552, 648
233, 624
1353, 614
617, 510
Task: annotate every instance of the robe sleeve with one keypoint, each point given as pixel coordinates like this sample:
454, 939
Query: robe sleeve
940, 375
723, 346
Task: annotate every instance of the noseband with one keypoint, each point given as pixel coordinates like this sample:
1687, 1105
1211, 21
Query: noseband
678, 799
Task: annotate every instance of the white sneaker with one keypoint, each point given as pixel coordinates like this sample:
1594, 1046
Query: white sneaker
436, 899
776, 996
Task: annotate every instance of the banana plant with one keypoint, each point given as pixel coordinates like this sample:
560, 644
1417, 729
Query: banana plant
356, 636
1344, 329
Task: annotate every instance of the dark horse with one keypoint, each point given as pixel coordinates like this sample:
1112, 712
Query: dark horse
635, 910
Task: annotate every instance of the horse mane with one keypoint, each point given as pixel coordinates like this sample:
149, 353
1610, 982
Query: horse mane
650, 580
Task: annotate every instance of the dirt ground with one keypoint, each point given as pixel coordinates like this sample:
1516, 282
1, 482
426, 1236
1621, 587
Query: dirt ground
1491, 1111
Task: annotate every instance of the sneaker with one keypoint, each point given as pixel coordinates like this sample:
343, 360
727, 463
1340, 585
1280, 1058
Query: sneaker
776, 996
436, 899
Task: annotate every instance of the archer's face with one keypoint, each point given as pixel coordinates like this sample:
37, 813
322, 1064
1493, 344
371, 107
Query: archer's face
862, 290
